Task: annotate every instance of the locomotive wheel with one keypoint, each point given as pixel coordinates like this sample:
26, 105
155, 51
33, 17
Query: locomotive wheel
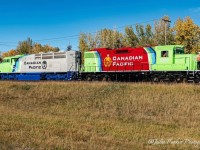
155, 79
196, 80
185, 80
161, 81
179, 80
104, 79
88, 78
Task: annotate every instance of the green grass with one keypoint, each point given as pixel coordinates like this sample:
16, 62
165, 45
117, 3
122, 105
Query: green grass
84, 115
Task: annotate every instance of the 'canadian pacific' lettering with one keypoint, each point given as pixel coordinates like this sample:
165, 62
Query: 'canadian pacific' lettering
32, 63
34, 67
115, 58
122, 63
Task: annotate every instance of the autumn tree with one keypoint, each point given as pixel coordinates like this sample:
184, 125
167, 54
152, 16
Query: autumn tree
108, 38
37, 48
5, 54
25, 47
141, 35
83, 44
29, 47
48, 48
105, 38
160, 27
12, 52
187, 33
130, 38
117, 39
149, 40
144, 35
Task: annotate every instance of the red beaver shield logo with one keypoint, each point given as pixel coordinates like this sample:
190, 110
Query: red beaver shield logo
107, 61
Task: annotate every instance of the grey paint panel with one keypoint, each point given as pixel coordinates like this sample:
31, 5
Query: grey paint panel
49, 62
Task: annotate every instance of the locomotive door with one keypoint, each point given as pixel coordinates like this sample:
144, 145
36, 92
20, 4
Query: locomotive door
187, 63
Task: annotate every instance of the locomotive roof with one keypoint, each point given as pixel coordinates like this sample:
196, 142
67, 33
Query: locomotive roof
16, 56
125, 48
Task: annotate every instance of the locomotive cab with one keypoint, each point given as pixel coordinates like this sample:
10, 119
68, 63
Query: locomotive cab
8, 63
173, 58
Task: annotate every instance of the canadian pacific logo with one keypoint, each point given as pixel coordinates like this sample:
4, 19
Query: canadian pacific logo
44, 64
107, 61
121, 60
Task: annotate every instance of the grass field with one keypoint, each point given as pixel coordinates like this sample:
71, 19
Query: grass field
83, 115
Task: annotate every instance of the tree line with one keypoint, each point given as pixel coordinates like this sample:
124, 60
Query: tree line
184, 32
29, 47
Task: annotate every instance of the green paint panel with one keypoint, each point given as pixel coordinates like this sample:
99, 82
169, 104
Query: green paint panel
8, 63
91, 62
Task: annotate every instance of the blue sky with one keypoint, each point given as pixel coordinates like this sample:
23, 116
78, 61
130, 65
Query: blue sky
58, 22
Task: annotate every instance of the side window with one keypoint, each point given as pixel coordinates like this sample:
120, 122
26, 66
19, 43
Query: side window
6, 60
13, 60
179, 50
164, 54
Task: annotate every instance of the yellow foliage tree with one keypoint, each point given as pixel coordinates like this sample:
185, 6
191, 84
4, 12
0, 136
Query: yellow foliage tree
47, 48
28, 47
130, 38
187, 33
37, 48
12, 52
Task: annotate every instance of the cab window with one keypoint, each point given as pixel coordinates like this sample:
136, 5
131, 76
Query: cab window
164, 54
6, 60
14, 60
179, 50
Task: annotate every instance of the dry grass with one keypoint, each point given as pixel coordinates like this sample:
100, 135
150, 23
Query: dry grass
78, 115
